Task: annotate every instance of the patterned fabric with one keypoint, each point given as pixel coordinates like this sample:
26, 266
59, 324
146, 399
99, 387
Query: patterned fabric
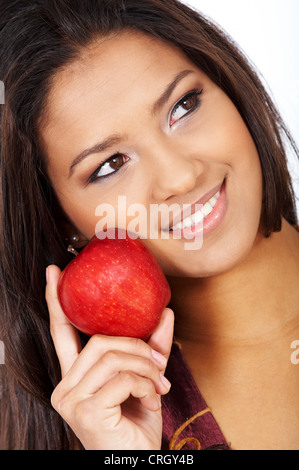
188, 423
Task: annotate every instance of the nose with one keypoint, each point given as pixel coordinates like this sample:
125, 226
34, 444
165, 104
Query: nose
174, 172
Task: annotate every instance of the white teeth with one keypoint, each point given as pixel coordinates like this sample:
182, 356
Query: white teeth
214, 200
207, 209
188, 222
198, 216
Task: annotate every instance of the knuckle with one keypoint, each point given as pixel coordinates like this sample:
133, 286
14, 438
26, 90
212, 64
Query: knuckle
98, 344
109, 358
63, 401
148, 386
137, 343
140, 346
84, 413
56, 397
132, 381
65, 407
95, 341
54, 400
149, 367
125, 378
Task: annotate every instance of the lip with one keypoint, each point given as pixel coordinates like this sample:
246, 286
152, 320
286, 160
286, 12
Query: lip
190, 210
211, 222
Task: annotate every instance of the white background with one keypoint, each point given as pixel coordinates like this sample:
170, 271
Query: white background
268, 32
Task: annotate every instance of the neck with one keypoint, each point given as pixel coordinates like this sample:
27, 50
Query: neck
253, 303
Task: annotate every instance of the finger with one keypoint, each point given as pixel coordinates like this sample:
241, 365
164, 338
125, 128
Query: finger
99, 345
112, 363
162, 338
105, 405
122, 386
65, 337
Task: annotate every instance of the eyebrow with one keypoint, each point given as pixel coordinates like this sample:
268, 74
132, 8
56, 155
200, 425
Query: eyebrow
169, 90
116, 138
98, 148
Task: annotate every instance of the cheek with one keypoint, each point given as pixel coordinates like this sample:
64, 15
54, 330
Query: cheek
219, 132
246, 178
84, 219
80, 210
93, 214
233, 146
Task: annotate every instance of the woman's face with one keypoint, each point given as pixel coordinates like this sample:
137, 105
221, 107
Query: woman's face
135, 122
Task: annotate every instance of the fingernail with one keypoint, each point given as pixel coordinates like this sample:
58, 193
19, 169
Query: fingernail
159, 358
165, 382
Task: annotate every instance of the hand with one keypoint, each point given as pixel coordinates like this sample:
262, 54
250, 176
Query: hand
110, 392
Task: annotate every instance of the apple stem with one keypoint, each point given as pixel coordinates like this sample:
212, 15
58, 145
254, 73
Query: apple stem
72, 250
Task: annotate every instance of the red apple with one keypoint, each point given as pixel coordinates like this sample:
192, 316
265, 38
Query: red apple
114, 287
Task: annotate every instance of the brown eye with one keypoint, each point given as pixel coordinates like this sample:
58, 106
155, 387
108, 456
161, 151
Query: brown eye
185, 106
109, 167
189, 103
116, 162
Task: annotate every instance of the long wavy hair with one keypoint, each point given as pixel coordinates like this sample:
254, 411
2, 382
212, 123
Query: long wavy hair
37, 38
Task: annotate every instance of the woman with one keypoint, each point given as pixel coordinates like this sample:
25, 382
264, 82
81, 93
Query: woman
147, 100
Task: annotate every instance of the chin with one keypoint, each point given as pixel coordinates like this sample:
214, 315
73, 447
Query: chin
211, 261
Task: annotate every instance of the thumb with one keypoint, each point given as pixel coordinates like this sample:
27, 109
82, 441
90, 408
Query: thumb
65, 337
161, 339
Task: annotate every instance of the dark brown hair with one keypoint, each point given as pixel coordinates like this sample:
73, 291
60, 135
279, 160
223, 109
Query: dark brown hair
37, 38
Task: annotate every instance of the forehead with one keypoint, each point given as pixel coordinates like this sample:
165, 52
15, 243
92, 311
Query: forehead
109, 70
108, 90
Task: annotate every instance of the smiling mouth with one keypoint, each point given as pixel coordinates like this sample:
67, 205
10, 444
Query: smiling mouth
198, 212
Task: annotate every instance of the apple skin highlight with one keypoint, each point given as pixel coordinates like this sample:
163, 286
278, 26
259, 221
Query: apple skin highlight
114, 287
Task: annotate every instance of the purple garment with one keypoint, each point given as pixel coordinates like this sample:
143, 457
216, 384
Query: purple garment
180, 405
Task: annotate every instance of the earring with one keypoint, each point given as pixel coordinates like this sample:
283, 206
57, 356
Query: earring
73, 239
72, 250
